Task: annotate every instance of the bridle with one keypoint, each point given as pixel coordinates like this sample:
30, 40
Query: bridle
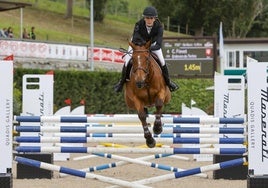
146, 69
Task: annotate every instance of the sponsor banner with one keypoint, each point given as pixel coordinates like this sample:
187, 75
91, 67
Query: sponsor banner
37, 100
257, 117
42, 50
118, 57
6, 116
106, 55
96, 54
67, 52
23, 49
229, 96
229, 102
58, 51
38, 92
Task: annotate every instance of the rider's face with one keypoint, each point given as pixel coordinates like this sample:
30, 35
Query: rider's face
149, 20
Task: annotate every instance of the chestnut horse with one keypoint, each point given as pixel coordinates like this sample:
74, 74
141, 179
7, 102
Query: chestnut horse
146, 88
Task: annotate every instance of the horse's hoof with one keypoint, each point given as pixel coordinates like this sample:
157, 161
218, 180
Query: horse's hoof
150, 142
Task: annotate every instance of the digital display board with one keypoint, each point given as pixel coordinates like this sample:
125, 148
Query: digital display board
190, 57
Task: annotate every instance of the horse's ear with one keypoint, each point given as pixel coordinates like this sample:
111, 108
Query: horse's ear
148, 44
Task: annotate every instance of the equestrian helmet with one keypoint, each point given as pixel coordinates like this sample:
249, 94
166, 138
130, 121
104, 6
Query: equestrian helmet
150, 11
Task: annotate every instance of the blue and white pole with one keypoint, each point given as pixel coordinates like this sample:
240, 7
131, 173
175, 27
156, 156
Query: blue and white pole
217, 166
78, 173
128, 129
127, 119
42, 139
54, 149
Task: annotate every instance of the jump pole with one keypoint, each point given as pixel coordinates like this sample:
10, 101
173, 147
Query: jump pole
42, 139
136, 135
131, 119
115, 164
140, 160
52, 149
166, 130
78, 173
217, 166
170, 156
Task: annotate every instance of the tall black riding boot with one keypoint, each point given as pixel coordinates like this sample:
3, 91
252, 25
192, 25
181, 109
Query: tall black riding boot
172, 86
125, 75
119, 86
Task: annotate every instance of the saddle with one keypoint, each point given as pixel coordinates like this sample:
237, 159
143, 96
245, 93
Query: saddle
156, 59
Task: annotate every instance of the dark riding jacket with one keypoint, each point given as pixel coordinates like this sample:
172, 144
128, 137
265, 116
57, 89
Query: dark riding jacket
141, 35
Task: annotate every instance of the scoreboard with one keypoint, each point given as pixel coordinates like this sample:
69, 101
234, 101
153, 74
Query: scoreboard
190, 57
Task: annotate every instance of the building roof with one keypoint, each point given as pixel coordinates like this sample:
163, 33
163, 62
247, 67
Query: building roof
10, 5
245, 40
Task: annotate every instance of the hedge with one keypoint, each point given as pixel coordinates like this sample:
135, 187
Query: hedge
96, 90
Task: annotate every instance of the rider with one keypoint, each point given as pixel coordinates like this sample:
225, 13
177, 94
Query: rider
149, 28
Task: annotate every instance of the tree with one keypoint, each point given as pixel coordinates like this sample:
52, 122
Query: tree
98, 6
260, 24
192, 14
204, 16
69, 9
239, 15
116, 6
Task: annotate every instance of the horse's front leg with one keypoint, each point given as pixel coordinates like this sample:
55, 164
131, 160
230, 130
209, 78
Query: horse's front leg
157, 123
150, 141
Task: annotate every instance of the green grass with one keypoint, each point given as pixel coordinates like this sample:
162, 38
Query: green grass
79, 8
48, 17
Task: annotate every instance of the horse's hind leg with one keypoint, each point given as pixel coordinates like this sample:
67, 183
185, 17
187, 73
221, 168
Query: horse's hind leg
150, 141
157, 123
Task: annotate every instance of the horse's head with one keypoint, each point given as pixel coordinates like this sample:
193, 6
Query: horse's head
141, 61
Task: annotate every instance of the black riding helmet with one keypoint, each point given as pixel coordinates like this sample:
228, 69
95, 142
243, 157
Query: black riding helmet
150, 11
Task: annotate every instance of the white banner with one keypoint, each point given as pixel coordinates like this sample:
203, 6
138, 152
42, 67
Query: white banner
70, 52
257, 117
229, 102
35, 49
23, 49
229, 96
37, 100
6, 116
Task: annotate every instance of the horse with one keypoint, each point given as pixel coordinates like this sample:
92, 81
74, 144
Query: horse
146, 88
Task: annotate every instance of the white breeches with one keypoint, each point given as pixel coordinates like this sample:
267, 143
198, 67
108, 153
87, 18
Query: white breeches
159, 54
128, 56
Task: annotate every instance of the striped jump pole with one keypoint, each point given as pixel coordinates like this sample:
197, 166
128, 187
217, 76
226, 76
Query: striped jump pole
140, 160
130, 119
43, 139
51, 149
136, 129
137, 135
170, 156
47, 166
119, 163
217, 166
